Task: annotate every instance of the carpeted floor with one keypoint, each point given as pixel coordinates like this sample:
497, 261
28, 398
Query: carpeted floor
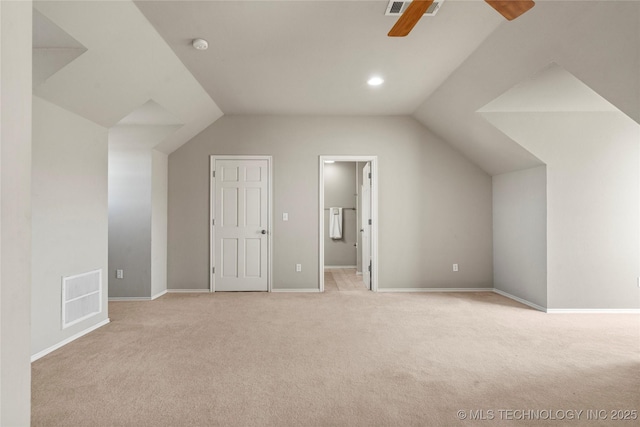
341, 359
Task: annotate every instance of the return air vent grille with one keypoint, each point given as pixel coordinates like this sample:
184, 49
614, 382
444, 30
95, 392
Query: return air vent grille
81, 297
396, 8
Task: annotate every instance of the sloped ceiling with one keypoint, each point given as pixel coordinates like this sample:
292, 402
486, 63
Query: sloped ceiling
53, 49
126, 64
313, 57
556, 100
552, 89
598, 42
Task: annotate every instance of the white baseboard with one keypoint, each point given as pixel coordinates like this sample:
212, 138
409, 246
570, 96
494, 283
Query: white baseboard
129, 299
158, 295
435, 289
64, 342
520, 300
295, 290
593, 310
326, 267
188, 291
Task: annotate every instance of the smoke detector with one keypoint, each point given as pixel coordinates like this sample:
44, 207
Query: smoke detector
200, 44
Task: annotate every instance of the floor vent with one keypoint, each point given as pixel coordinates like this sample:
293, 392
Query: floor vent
397, 8
81, 297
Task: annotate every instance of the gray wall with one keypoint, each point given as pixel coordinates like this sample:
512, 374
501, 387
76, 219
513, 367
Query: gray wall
15, 212
435, 206
340, 191
137, 219
159, 193
130, 221
69, 220
520, 234
593, 221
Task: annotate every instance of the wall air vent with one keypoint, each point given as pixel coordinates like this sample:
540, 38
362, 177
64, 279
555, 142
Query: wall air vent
81, 297
396, 8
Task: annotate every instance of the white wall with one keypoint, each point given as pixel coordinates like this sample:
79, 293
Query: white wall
159, 193
69, 219
520, 234
435, 206
15, 212
360, 167
340, 191
592, 203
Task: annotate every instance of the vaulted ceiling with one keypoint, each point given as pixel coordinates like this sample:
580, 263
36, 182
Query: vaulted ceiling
314, 57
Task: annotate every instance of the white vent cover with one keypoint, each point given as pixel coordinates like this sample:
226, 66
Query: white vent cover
396, 8
81, 297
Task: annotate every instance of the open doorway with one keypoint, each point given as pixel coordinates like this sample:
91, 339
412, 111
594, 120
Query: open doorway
348, 223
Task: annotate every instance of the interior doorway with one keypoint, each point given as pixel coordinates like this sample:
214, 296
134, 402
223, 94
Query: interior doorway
240, 221
348, 222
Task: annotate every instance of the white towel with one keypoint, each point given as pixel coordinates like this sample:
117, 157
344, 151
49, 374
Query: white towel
335, 223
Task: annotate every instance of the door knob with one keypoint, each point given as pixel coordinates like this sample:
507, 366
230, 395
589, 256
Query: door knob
264, 232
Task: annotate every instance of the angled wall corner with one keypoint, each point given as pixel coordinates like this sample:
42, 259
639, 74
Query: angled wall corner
138, 201
592, 187
53, 48
606, 60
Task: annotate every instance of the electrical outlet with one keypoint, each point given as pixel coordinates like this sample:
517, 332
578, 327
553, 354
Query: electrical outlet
298, 268
285, 216
455, 267
119, 274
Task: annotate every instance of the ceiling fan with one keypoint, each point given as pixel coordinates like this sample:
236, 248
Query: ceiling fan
510, 9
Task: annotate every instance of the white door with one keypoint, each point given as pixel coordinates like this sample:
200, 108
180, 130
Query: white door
240, 225
365, 220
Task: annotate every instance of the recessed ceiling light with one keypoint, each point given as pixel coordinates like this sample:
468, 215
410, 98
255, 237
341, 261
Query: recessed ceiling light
375, 81
329, 161
200, 44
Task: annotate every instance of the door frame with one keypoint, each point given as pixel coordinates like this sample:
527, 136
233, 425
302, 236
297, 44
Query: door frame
212, 201
373, 160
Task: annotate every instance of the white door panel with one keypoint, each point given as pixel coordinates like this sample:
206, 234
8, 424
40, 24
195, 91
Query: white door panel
366, 226
241, 222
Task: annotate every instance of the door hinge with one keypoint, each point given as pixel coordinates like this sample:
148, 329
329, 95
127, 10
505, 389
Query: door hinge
214, 174
213, 222
213, 270
369, 175
369, 222
369, 267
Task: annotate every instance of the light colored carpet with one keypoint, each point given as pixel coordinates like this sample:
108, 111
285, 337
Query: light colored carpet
338, 359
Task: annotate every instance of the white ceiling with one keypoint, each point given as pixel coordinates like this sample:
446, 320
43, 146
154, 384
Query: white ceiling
314, 57
598, 42
124, 67
552, 89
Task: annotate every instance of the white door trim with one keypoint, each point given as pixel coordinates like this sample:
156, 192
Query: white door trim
374, 214
212, 199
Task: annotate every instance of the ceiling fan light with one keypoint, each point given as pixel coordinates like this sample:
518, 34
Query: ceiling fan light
375, 81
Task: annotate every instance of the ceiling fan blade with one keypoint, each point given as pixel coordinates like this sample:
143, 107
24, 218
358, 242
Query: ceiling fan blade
511, 9
410, 18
